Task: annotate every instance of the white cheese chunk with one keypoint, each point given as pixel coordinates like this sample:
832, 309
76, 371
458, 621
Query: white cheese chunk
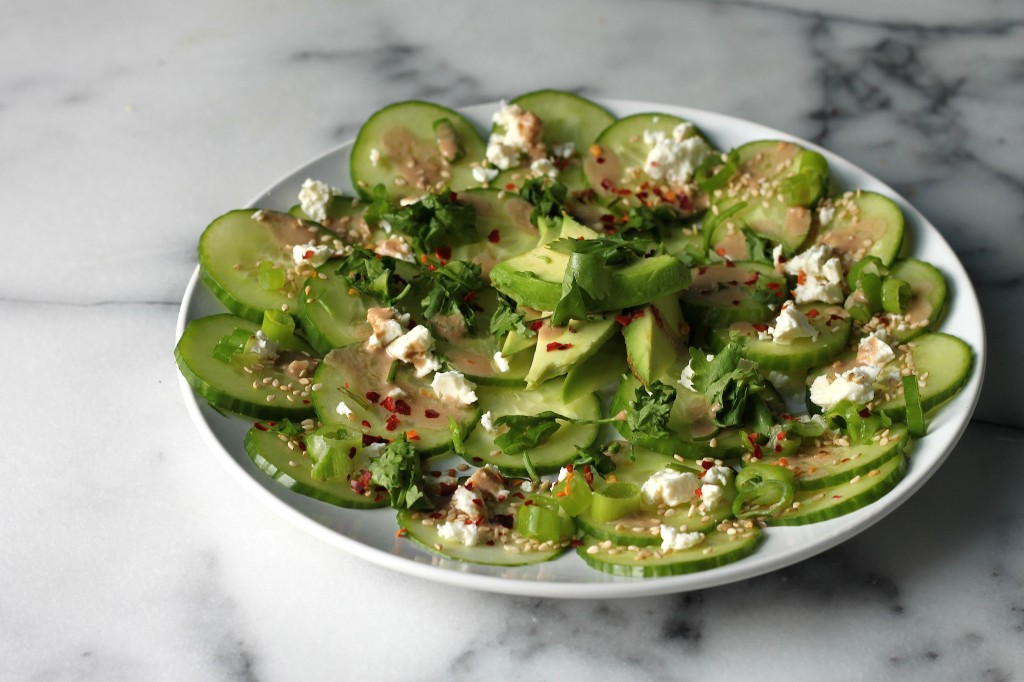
484, 175
343, 409
674, 540
822, 275
311, 253
674, 158
487, 421
791, 324
313, 198
467, 534
501, 362
414, 347
454, 387
387, 325
468, 502
872, 350
263, 346
669, 487
853, 385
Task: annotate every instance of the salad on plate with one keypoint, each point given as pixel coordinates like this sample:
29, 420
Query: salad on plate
576, 333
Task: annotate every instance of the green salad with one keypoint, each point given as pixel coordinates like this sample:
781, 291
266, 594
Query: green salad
576, 332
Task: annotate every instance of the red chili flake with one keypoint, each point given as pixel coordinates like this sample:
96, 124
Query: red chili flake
757, 454
781, 436
778, 448
773, 285
837, 497
865, 413
833, 316
302, 446
259, 426
752, 437
412, 435
801, 277
698, 493
735, 302
701, 270
610, 230
308, 254
641, 195
494, 236
431, 267
431, 414
366, 423
759, 327
528, 503
783, 461
469, 297
443, 252
782, 258
606, 218
812, 313
402, 407
628, 317
606, 184
305, 402
600, 159
555, 345
388, 404
536, 325
392, 423
728, 263
510, 187
370, 440
707, 464
436, 515
373, 396
352, 453
400, 533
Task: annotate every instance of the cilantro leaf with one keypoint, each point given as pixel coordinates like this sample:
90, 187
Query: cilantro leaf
645, 221
526, 431
548, 199
505, 320
372, 275
731, 384
398, 471
759, 249
451, 289
435, 221
649, 411
378, 204
598, 458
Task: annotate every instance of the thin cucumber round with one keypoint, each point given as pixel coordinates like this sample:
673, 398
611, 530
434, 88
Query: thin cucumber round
352, 376
550, 455
814, 506
331, 313
427, 536
946, 360
928, 301
723, 293
232, 249
474, 357
863, 224
717, 549
503, 225
398, 148
232, 385
833, 327
829, 465
292, 468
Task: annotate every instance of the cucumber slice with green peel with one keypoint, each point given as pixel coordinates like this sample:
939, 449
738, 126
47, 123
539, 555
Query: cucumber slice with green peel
347, 375
428, 537
503, 225
549, 456
829, 465
863, 224
927, 303
723, 293
331, 313
616, 172
833, 325
567, 118
943, 362
813, 506
717, 549
292, 468
234, 245
474, 357
398, 148
595, 372
235, 386
765, 170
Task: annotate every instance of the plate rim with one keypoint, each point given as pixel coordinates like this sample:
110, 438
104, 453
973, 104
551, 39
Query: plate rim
603, 585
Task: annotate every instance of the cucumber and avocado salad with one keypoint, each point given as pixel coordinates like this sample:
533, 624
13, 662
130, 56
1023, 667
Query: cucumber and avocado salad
563, 329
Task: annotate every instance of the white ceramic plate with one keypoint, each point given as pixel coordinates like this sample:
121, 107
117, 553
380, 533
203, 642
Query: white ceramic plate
371, 534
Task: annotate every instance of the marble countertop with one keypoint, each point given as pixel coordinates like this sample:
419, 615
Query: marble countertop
126, 553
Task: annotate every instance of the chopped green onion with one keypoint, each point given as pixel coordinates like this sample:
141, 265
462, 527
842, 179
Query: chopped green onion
801, 189
392, 371
807, 429
896, 295
270, 276
871, 285
857, 421
573, 494
528, 465
915, 413
278, 326
332, 453
763, 490
708, 180
540, 518
872, 264
230, 344
456, 432
615, 501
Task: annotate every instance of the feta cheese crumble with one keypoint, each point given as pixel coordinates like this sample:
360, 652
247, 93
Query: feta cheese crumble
395, 247
873, 350
468, 502
263, 346
820, 273
343, 409
791, 324
484, 175
312, 253
674, 158
454, 387
313, 198
853, 385
674, 540
414, 348
669, 487
501, 362
713, 486
466, 533
387, 325
487, 421
517, 134
792, 389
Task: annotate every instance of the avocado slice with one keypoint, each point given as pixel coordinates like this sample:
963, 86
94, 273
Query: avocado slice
560, 348
595, 372
534, 278
655, 338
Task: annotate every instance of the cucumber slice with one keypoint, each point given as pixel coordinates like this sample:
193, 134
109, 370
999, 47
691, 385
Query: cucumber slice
344, 217
813, 506
549, 456
723, 293
234, 387
717, 549
829, 465
474, 357
331, 313
349, 374
833, 327
397, 147
232, 248
292, 468
616, 172
863, 224
566, 118
946, 360
492, 555
764, 167
928, 301
503, 225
